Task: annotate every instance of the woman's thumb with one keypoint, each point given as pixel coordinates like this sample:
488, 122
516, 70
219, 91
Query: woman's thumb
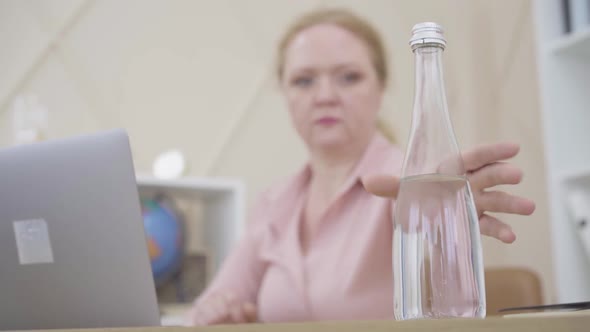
381, 185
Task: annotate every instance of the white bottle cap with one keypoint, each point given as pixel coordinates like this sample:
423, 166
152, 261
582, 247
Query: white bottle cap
427, 33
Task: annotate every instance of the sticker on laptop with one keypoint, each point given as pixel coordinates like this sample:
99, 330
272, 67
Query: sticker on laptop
32, 241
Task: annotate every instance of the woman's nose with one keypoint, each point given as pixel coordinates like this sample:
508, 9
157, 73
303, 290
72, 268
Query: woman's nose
326, 93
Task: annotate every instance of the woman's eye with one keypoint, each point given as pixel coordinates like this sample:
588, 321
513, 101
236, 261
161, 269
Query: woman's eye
351, 77
302, 81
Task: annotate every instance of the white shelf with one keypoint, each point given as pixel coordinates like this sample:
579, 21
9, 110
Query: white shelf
574, 175
198, 187
564, 76
224, 208
576, 44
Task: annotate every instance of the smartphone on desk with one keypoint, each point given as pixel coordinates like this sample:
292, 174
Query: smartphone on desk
549, 309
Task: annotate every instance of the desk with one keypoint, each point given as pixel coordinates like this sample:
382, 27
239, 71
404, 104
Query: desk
579, 321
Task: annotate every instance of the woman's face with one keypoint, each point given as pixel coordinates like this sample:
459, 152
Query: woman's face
331, 86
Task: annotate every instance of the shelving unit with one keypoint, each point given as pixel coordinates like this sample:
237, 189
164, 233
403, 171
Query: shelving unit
224, 207
576, 44
564, 75
569, 175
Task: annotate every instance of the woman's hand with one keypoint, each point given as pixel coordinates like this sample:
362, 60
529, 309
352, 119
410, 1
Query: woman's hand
485, 170
222, 309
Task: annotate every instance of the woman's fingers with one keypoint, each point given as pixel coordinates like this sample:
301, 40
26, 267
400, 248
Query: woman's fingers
223, 308
499, 201
381, 185
216, 310
250, 313
195, 317
485, 170
495, 174
220, 308
474, 159
237, 314
482, 155
493, 227
243, 313
206, 313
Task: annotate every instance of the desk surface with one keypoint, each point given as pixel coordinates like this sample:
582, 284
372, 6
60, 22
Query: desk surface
573, 321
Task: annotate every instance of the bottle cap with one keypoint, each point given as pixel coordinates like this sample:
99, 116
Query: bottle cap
427, 33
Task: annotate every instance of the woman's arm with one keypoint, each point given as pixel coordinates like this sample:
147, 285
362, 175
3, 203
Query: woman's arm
485, 170
232, 295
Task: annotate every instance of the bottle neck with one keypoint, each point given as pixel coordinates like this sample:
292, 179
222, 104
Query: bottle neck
429, 96
432, 147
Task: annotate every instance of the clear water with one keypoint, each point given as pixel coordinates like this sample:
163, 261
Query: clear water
437, 258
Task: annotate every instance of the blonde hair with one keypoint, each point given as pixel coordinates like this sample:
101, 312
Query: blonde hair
354, 24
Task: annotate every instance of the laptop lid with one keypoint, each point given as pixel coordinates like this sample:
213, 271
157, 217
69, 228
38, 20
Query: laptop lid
72, 246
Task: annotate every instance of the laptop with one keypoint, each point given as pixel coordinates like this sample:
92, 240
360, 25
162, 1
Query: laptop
73, 252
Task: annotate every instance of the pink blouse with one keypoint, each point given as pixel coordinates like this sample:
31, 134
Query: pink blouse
347, 271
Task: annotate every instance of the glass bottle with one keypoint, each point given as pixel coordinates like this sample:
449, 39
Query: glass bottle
437, 257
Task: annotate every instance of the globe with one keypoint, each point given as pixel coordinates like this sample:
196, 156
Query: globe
164, 233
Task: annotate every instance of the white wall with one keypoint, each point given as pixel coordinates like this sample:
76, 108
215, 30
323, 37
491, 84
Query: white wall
198, 75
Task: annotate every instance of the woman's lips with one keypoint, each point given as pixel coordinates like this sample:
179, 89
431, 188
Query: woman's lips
327, 121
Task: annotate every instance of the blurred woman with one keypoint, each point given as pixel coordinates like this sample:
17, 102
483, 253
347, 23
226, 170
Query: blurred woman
318, 246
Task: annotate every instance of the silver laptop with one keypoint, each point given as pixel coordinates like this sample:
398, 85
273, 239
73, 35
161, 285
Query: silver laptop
72, 245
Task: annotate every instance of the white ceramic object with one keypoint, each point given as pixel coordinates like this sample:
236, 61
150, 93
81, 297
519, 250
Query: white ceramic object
169, 165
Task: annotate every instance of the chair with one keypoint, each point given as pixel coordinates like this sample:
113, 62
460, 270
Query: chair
511, 287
